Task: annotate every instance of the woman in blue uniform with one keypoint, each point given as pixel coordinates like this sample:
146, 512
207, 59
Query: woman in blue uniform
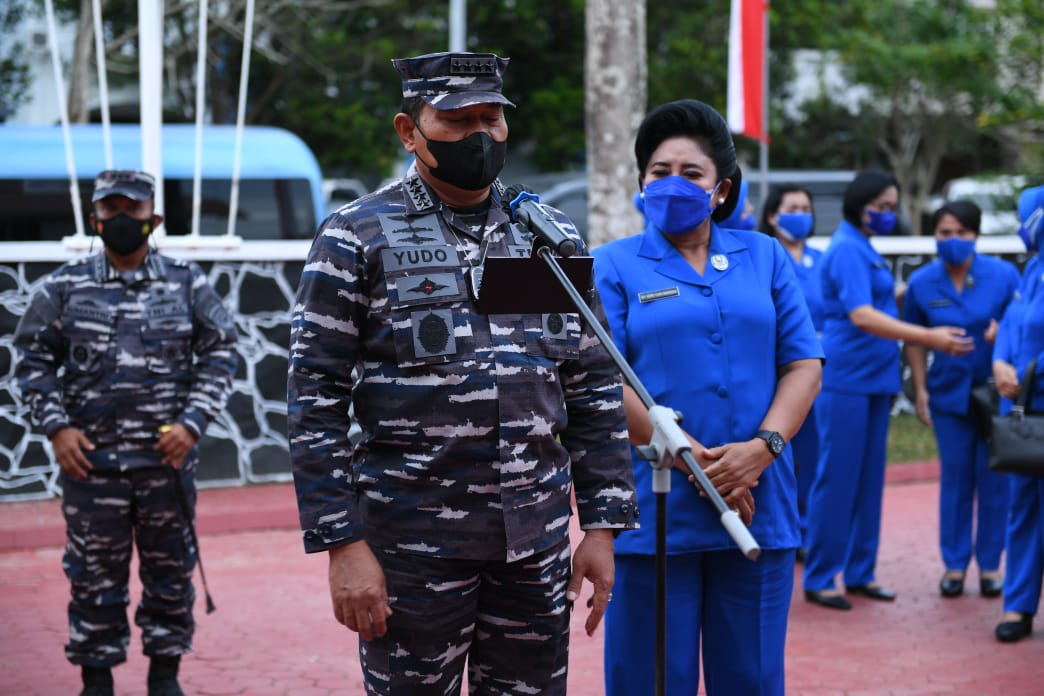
1019, 340
961, 288
713, 323
789, 217
860, 378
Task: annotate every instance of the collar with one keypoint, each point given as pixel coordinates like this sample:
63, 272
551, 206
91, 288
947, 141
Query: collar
723, 243
150, 269
421, 199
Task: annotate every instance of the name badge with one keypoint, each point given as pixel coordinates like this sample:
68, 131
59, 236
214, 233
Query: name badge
658, 294
939, 303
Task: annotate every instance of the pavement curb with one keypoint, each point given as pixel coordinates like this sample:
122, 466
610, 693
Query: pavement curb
39, 524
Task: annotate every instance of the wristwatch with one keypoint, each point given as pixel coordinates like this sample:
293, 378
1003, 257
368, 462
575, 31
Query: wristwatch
773, 440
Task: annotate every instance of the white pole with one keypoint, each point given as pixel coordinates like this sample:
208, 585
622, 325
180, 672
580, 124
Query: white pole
763, 148
244, 74
103, 83
150, 89
59, 85
458, 22
201, 83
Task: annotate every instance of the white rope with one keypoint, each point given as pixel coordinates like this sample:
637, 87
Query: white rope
201, 81
248, 40
59, 85
103, 83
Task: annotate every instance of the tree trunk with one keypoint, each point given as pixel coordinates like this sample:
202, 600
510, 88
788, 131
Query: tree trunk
615, 75
80, 72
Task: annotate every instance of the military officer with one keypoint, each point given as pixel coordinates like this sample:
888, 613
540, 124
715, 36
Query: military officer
126, 356
446, 524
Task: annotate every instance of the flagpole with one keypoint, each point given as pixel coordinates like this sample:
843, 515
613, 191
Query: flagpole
763, 147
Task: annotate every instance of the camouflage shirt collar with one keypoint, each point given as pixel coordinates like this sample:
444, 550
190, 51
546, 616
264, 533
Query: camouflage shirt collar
150, 269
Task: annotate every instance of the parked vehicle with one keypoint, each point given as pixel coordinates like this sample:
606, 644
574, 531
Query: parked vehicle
338, 192
996, 196
280, 190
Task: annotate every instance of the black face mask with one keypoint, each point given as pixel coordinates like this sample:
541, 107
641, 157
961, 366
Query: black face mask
471, 164
123, 234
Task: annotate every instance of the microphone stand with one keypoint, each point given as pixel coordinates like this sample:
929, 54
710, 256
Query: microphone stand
668, 443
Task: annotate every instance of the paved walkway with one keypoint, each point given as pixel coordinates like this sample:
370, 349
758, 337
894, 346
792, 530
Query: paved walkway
274, 632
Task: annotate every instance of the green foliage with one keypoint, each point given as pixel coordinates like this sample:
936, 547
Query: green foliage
910, 440
14, 73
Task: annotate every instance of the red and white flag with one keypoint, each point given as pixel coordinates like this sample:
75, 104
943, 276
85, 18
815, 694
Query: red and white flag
746, 68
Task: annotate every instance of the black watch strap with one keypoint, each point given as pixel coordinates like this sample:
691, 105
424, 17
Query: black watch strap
773, 440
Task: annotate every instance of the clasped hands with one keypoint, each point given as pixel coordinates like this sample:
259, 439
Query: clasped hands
733, 469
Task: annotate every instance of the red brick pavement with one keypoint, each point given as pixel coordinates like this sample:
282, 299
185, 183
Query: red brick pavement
273, 633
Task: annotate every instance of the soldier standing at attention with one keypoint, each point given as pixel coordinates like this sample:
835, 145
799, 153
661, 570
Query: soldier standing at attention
447, 524
126, 356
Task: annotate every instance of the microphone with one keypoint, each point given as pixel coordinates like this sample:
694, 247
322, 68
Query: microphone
524, 206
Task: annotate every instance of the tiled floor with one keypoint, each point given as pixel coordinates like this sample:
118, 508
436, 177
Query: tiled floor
274, 632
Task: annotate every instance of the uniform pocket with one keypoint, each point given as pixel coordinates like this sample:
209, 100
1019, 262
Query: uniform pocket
555, 335
167, 348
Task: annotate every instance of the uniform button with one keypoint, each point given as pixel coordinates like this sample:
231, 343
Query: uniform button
707, 292
310, 535
325, 529
625, 509
723, 391
715, 337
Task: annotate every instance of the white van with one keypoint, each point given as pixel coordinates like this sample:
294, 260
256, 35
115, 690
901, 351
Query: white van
997, 196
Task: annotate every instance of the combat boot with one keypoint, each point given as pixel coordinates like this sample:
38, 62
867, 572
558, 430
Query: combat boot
97, 681
163, 676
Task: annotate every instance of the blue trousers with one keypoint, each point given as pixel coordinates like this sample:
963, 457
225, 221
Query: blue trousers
966, 483
844, 513
1025, 538
731, 610
805, 446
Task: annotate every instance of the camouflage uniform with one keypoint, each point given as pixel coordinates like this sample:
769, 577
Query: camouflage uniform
116, 355
475, 430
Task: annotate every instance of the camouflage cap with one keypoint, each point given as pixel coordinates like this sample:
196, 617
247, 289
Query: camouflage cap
453, 80
124, 182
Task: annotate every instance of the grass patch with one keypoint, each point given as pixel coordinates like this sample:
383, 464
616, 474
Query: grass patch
910, 440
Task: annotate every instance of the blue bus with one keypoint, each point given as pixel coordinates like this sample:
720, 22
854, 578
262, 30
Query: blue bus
280, 189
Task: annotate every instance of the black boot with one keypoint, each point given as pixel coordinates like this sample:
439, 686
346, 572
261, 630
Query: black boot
163, 676
97, 681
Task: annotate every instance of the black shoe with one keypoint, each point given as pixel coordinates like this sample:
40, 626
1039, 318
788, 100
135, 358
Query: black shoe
829, 601
97, 681
991, 587
1012, 631
163, 676
871, 591
951, 586
97, 690
165, 687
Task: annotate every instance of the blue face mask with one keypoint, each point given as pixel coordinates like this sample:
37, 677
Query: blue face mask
955, 250
881, 223
675, 205
794, 226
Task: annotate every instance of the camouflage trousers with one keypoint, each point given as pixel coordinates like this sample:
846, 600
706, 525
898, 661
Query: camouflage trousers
508, 621
105, 514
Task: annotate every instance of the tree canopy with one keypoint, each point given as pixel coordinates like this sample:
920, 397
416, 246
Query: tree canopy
934, 87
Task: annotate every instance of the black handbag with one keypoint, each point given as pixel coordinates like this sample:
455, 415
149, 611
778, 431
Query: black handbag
983, 405
1017, 439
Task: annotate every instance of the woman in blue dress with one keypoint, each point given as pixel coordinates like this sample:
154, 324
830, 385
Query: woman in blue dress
860, 379
789, 217
713, 323
1020, 339
961, 288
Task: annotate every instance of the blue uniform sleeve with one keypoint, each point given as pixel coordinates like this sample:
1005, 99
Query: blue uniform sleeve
913, 312
795, 334
851, 274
